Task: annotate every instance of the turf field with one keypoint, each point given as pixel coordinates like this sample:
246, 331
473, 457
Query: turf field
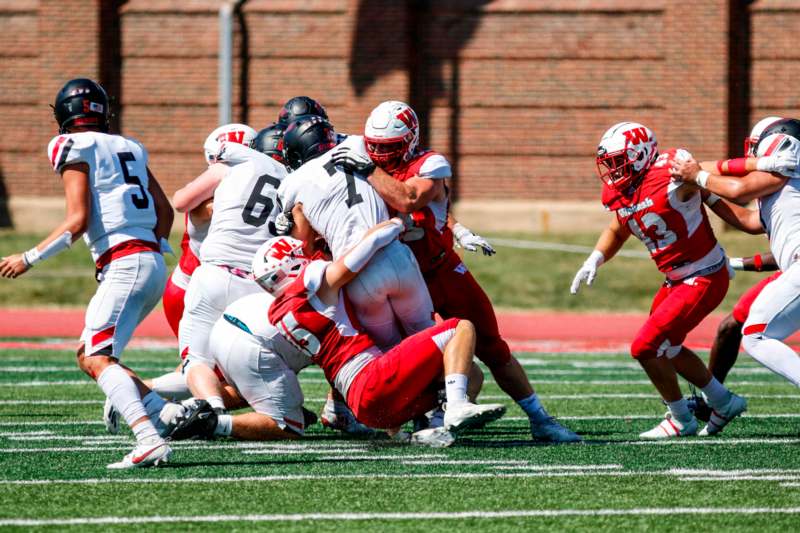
53, 452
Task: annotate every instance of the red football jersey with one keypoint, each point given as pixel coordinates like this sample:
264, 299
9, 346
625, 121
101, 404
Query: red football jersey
432, 244
330, 335
188, 261
676, 233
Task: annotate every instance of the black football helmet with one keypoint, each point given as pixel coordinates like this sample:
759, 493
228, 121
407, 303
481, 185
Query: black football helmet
299, 106
308, 137
81, 102
787, 126
269, 141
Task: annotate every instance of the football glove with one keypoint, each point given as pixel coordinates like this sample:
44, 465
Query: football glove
782, 161
471, 242
587, 272
284, 223
352, 161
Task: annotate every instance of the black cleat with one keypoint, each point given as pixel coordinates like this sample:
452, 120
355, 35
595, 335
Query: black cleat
198, 423
698, 405
309, 417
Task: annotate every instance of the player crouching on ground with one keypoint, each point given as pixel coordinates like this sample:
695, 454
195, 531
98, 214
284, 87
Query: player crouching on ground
384, 390
670, 220
116, 203
262, 366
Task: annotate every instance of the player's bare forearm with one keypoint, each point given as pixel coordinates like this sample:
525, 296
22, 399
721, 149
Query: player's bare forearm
199, 189
612, 239
164, 212
739, 217
403, 197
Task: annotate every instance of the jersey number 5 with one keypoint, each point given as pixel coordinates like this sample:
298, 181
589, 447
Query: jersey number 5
664, 236
141, 202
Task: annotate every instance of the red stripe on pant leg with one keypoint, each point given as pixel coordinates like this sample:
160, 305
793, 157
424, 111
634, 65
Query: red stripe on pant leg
103, 335
754, 328
294, 423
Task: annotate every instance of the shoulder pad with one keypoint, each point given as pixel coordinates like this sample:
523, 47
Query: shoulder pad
68, 149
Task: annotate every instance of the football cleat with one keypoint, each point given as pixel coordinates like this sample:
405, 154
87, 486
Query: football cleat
551, 431
168, 418
145, 454
309, 417
721, 417
699, 406
433, 438
111, 417
670, 428
339, 417
196, 424
464, 415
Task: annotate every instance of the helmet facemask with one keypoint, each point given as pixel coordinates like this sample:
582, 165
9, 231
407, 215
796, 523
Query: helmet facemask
625, 154
278, 263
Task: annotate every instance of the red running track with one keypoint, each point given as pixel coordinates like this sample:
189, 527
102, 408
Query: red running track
524, 330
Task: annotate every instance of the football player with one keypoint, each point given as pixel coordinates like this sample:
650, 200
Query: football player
775, 312
263, 367
670, 220
384, 390
245, 205
115, 202
412, 182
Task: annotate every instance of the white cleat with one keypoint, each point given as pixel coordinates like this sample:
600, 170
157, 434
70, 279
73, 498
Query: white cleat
111, 417
721, 417
433, 438
551, 431
671, 428
145, 454
339, 417
461, 416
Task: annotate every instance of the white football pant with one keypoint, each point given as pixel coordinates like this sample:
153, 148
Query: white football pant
775, 315
391, 290
262, 377
210, 291
129, 289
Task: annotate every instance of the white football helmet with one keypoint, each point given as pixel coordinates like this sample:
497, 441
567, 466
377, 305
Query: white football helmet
236, 133
751, 142
278, 262
625, 153
391, 134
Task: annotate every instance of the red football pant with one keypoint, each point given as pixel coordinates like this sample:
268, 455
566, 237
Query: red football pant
742, 308
676, 311
403, 383
456, 294
173, 304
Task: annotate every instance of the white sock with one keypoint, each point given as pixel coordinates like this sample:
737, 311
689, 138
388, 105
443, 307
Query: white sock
216, 402
224, 425
680, 410
534, 408
172, 385
716, 393
455, 388
775, 355
121, 390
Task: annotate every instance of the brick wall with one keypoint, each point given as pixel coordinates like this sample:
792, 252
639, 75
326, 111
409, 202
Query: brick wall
515, 92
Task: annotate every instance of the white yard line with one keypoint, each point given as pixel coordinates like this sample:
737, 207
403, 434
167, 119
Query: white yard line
407, 516
557, 468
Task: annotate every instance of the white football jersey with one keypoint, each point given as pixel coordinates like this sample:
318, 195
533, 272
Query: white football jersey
339, 206
780, 213
251, 312
122, 208
245, 206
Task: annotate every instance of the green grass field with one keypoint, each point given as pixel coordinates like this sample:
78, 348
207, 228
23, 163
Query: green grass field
513, 279
53, 452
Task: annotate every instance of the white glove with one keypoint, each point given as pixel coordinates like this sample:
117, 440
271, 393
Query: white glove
782, 161
471, 242
352, 161
736, 263
284, 223
588, 271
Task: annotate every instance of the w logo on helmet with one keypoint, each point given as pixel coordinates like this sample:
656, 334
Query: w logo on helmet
232, 136
636, 135
281, 249
408, 118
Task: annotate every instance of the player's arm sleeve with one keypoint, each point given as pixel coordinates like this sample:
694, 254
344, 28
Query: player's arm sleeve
68, 149
435, 167
314, 274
